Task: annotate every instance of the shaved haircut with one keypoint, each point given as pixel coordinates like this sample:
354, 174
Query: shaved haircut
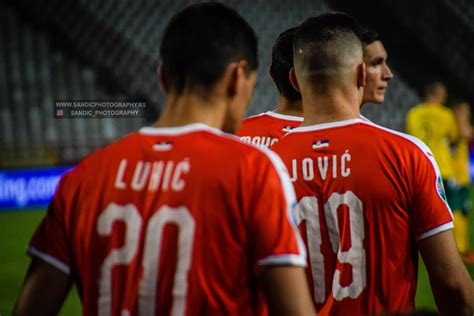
327, 48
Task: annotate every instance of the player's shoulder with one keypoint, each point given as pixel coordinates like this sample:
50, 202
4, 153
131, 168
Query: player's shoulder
417, 109
447, 111
360, 130
302, 134
100, 156
408, 148
231, 145
96, 162
399, 139
253, 119
249, 159
100, 162
255, 123
271, 116
423, 108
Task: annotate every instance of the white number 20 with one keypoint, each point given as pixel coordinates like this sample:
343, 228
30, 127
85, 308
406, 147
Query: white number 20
129, 214
308, 210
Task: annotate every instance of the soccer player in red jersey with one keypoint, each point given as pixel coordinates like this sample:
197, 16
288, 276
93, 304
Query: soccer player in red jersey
377, 72
369, 198
179, 218
265, 129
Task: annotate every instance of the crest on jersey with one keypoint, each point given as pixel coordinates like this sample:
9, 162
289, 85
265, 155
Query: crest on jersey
163, 146
440, 189
320, 144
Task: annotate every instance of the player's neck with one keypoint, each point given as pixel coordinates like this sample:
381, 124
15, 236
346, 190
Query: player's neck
189, 108
330, 107
289, 107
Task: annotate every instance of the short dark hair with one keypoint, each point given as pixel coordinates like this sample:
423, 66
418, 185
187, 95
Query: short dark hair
282, 62
368, 36
325, 44
201, 41
431, 87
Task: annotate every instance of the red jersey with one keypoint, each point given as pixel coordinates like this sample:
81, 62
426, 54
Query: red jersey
267, 128
366, 194
171, 221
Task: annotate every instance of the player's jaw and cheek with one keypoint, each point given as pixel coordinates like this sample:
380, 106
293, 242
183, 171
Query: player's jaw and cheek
377, 73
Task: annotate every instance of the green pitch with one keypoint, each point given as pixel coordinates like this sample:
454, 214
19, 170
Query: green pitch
16, 229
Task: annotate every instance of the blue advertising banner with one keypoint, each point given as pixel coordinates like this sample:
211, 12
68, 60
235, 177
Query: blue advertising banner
27, 188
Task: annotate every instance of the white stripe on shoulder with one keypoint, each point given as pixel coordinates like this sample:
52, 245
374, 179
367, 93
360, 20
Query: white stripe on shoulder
321, 126
256, 115
180, 130
290, 195
436, 230
176, 130
32, 251
284, 116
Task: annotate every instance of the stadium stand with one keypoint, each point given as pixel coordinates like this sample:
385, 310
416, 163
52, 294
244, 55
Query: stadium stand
34, 74
463, 9
455, 31
108, 50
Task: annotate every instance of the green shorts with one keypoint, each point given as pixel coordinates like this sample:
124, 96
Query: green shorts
450, 192
460, 199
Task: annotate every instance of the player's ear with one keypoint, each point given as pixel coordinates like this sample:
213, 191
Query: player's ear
162, 79
294, 80
361, 75
235, 77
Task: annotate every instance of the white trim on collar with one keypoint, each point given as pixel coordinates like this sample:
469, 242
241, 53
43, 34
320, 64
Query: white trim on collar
327, 125
284, 116
178, 130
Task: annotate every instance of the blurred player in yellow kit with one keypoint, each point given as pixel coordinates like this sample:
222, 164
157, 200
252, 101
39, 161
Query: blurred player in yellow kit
461, 202
435, 125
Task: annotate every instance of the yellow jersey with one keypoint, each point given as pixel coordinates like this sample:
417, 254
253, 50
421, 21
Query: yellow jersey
461, 163
435, 125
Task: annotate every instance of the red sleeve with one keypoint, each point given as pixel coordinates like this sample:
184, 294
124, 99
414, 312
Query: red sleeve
431, 213
272, 231
50, 240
